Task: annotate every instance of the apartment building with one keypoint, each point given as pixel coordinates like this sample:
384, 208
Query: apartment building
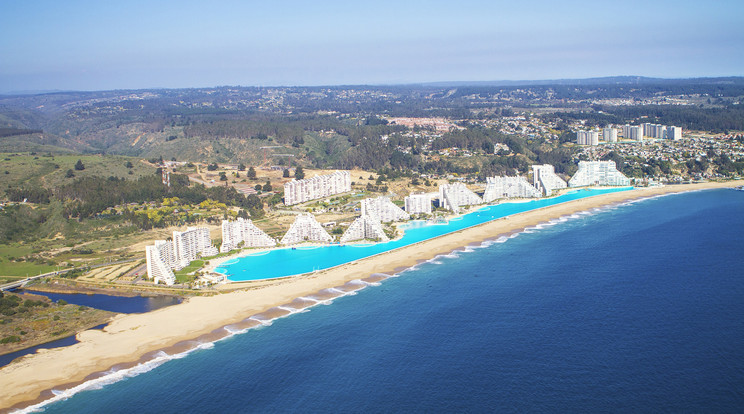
454, 196
365, 227
546, 180
598, 173
383, 209
299, 191
243, 230
306, 228
508, 187
418, 204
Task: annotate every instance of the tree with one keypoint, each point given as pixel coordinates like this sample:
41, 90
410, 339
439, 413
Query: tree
223, 176
241, 167
285, 174
299, 173
258, 187
69, 174
251, 173
488, 147
129, 164
79, 165
267, 186
212, 167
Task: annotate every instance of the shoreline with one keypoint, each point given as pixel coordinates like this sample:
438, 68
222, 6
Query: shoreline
129, 340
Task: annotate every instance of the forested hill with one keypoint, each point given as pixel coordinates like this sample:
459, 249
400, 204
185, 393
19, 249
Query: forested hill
339, 126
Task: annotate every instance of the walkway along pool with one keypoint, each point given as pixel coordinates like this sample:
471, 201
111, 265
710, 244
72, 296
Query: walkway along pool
288, 262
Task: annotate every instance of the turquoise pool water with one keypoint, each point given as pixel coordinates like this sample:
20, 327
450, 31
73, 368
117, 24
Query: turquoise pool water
287, 261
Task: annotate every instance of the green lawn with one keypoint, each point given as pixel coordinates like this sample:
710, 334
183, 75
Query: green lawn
182, 275
23, 269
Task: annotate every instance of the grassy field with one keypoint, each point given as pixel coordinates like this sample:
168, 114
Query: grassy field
11, 270
49, 171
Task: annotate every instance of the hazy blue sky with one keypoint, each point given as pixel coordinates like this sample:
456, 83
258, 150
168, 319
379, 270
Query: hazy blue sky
89, 45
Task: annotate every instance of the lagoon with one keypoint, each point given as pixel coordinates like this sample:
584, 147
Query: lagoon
294, 261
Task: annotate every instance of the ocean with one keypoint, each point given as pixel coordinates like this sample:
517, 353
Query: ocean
637, 307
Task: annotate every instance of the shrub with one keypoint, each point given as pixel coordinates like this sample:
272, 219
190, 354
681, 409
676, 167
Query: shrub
10, 339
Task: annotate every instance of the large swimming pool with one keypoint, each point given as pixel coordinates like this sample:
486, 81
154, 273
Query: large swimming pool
288, 261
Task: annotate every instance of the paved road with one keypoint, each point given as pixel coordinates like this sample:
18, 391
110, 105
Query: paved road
22, 282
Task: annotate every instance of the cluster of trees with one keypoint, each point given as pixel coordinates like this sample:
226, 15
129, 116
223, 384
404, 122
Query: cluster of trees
89, 196
19, 222
86, 197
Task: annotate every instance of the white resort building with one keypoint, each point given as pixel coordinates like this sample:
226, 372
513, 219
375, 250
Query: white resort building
418, 204
365, 227
383, 209
508, 187
453, 196
186, 246
545, 179
299, 191
242, 230
160, 262
598, 173
192, 243
306, 228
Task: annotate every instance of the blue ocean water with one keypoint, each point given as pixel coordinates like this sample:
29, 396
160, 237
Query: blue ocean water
636, 308
294, 261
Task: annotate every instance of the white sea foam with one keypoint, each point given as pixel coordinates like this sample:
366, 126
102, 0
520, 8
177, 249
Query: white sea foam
111, 376
263, 322
233, 331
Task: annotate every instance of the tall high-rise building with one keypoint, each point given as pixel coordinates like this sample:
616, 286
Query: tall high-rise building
242, 230
674, 133
306, 228
587, 137
634, 133
192, 243
365, 227
598, 173
609, 134
418, 204
546, 180
164, 256
507, 187
299, 191
160, 262
383, 209
453, 196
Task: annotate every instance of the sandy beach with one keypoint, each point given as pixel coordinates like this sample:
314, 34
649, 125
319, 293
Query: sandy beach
130, 339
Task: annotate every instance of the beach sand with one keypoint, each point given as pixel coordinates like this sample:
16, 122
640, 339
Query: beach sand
130, 339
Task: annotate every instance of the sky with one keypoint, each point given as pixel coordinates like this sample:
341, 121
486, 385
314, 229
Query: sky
101, 45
